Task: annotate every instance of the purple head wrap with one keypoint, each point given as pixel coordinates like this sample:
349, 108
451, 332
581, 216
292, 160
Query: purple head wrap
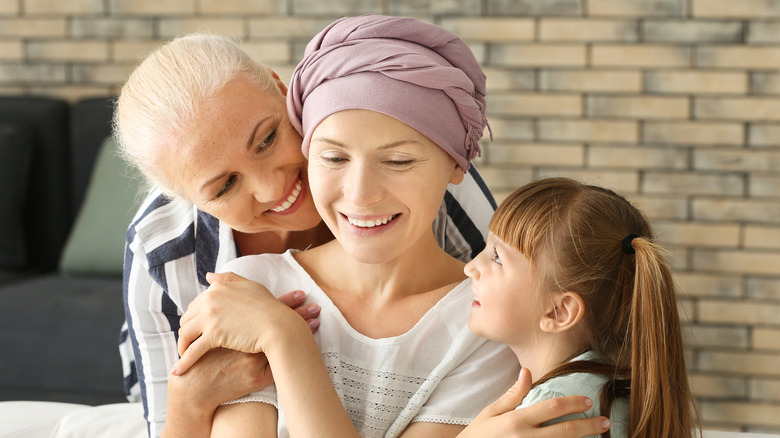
418, 73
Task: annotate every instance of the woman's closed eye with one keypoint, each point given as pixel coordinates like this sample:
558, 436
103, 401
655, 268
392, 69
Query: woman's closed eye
229, 183
268, 142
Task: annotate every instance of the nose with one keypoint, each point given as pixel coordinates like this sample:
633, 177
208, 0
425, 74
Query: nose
470, 269
363, 184
267, 186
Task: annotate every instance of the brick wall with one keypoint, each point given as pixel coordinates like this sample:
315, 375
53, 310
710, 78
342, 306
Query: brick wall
674, 103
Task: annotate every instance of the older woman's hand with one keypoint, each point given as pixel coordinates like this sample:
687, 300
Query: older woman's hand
503, 419
237, 314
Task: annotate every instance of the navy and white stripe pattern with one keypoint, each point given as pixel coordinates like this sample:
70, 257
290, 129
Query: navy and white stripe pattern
171, 245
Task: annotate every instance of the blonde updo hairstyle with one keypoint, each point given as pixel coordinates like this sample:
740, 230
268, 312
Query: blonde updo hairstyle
162, 97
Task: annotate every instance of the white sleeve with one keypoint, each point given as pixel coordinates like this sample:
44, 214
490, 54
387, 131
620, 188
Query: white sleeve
477, 382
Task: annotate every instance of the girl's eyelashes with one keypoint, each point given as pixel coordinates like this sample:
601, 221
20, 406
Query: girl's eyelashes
496, 258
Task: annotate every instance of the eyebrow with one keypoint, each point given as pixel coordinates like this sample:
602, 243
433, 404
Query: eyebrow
249, 143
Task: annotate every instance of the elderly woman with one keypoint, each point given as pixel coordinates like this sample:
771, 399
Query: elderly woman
391, 111
209, 127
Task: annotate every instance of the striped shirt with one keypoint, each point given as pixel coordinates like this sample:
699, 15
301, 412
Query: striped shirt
171, 245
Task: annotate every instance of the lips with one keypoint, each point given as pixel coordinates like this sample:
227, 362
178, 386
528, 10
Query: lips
287, 203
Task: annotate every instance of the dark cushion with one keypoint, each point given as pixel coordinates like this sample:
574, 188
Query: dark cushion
63, 335
90, 124
47, 212
15, 156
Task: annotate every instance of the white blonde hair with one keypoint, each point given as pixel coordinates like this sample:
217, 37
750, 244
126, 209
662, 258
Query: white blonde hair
162, 97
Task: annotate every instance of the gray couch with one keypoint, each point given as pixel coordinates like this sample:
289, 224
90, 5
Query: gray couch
61, 236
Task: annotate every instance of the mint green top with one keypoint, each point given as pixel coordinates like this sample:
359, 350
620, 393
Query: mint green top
586, 384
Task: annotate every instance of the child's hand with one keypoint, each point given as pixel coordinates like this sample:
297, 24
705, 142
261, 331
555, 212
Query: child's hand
502, 419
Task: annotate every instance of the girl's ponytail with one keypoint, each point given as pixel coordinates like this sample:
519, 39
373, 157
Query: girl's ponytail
661, 402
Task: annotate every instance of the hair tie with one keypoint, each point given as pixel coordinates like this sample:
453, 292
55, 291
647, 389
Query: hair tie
626, 246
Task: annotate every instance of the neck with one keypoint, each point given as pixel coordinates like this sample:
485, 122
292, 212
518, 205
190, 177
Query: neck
547, 352
277, 242
423, 267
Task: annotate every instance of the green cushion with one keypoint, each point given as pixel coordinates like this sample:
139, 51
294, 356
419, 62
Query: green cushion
96, 242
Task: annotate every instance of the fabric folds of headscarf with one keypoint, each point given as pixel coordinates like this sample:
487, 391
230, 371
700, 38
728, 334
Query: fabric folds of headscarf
418, 73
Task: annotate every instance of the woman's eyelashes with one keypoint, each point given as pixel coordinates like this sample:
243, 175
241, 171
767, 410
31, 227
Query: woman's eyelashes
226, 187
268, 142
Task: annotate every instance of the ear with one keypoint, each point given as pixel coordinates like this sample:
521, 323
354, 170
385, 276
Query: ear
567, 310
457, 174
279, 83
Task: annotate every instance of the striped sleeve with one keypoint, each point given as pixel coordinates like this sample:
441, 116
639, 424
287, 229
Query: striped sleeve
462, 225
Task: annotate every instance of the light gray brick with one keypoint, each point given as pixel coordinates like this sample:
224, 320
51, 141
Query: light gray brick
538, 55
765, 83
729, 412
511, 129
765, 389
243, 7
763, 186
762, 237
623, 182
27, 73
34, 7
596, 130
767, 338
696, 82
109, 74
535, 104
637, 8
739, 160
591, 80
761, 9
732, 56
286, 27
740, 313
639, 107
17, 27
587, 30
737, 108
662, 207
503, 178
173, 27
9, 7
491, 29
697, 234
763, 288
741, 261
704, 336
764, 135
640, 55
715, 386
500, 79
763, 32
686, 31
68, 50
133, 51
697, 284
693, 133
737, 209
11, 51
152, 7
442, 7
536, 154
533, 7
111, 27
335, 9
620, 157
692, 183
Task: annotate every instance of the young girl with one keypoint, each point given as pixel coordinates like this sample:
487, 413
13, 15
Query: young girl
572, 280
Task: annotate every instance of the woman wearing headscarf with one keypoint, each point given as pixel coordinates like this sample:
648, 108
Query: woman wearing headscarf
208, 127
391, 111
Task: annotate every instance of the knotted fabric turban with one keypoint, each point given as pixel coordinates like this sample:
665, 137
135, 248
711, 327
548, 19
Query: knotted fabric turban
418, 73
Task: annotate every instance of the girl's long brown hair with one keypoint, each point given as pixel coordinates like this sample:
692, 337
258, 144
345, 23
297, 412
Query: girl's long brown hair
573, 234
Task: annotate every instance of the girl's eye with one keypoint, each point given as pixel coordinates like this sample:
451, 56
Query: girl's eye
496, 258
401, 163
226, 188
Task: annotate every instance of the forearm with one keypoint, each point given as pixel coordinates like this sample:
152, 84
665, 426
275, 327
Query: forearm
306, 395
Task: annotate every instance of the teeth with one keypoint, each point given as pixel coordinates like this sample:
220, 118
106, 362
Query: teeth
369, 223
290, 200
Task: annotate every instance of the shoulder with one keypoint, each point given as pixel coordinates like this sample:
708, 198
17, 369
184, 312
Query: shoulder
277, 272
